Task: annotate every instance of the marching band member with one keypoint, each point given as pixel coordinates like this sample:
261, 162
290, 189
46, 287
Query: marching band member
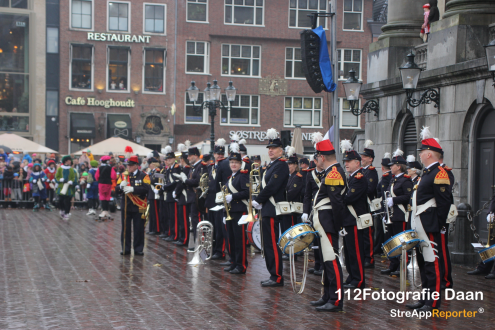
65, 175
247, 163
162, 204
293, 190
104, 175
256, 159
329, 211
154, 203
430, 206
134, 189
274, 180
400, 189
180, 194
414, 169
169, 189
357, 204
380, 190
447, 281
371, 176
304, 166
238, 189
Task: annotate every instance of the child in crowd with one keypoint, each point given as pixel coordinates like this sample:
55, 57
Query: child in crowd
38, 179
92, 189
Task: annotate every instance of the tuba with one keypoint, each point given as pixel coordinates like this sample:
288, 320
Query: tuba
254, 189
204, 242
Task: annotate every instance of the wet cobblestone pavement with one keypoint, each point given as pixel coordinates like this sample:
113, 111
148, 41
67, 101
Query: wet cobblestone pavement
70, 275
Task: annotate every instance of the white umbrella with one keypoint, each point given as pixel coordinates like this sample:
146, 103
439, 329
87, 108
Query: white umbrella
117, 146
18, 143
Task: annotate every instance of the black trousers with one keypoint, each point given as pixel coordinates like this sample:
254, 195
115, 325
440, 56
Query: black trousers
237, 242
485, 268
317, 253
64, 203
164, 224
172, 209
431, 272
133, 221
395, 228
368, 245
379, 235
183, 222
333, 291
216, 218
154, 216
445, 257
273, 254
196, 217
93, 203
354, 256
288, 221
51, 195
105, 205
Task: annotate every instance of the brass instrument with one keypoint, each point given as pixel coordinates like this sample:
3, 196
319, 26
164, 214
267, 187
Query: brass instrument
390, 211
204, 241
126, 179
160, 183
225, 192
254, 189
203, 184
489, 227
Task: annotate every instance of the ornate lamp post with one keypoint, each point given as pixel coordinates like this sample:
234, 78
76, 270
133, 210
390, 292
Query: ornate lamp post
352, 87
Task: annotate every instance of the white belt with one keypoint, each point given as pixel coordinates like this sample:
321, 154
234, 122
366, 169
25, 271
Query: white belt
324, 207
423, 207
322, 203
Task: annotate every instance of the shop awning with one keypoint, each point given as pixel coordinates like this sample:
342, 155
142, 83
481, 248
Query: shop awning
119, 126
82, 126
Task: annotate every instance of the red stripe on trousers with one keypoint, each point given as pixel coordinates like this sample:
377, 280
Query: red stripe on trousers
446, 266
223, 247
370, 231
292, 218
185, 223
176, 222
275, 252
336, 271
358, 253
228, 245
437, 272
157, 222
243, 246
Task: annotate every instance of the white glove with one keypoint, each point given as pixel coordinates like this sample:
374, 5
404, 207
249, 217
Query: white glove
489, 218
43, 179
228, 198
123, 184
78, 187
256, 205
384, 220
128, 189
70, 183
390, 202
224, 221
342, 232
183, 177
54, 181
61, 180
34, 181
88, 185
443, 231
304, 217
156, 191
174, 195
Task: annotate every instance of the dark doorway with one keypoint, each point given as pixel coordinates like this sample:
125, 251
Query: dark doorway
156, 147
485, 162
410, 138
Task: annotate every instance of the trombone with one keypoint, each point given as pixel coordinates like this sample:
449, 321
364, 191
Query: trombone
225, 192
254, 189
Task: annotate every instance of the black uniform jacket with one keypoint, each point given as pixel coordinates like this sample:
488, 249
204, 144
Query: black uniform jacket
311, 189
403, 186
415, 180
240, 182
451, 178
333, 185
246, 164
192, 182
435, 183
211, 194
180, 189
356, 196
276, 176
153, 181
223, 174
141, 183
170, 182
295, 187
382, 187
371, 176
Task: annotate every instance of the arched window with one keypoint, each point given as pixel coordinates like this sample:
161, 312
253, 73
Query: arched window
410, 138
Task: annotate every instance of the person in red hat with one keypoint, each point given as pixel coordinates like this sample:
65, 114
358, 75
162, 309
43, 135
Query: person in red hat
430, 207
133, 185
104, 175
50, 171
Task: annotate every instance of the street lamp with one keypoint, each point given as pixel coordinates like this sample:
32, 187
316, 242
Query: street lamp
410, 73
490, 58
212, 102
352, 87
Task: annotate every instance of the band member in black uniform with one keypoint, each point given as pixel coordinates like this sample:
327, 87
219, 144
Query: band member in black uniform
329, 210
447, 281
380, 190
414, 169
355, 199
256, 159
430, 206
182, 197
400, 189
247, 163
216, 217
273, 182
134, 189
371, 176
171, 207
294, 190
238, 195
304, 166
153, 197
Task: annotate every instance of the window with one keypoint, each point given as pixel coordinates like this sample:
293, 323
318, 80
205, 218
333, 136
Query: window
299, 10
52, 103
241, 60
293, 63
196, 114
410, 137
353, 10
118, 14
81, 66
154, 18
198, 57
304, 111
244, 110
52, 40
118, 69
154, 70
197, 10
14, 3
352, 60
347, 119
249, 12
82, 13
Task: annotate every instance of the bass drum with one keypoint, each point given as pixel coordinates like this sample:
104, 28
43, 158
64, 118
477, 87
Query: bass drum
254, 234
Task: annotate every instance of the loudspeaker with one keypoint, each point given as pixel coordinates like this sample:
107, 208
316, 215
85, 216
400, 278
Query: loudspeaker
310, 55
285, 138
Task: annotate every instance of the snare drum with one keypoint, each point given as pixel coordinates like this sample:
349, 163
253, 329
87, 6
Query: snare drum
300, 235
254, 233
393, 246
487, 254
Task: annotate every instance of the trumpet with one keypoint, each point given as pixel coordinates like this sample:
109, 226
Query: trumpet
254, 189
225, 192
390, 211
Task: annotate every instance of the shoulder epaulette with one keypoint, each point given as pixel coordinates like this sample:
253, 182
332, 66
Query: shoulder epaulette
147, 179
244, 171
334, 178
386, 174
372, 168
310, 169
299, 174
204, 163
246, 160
283, 159
359, 175
211, 164
176, 166
187, 166
263, 168
448, 168
407, 176
442, 177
